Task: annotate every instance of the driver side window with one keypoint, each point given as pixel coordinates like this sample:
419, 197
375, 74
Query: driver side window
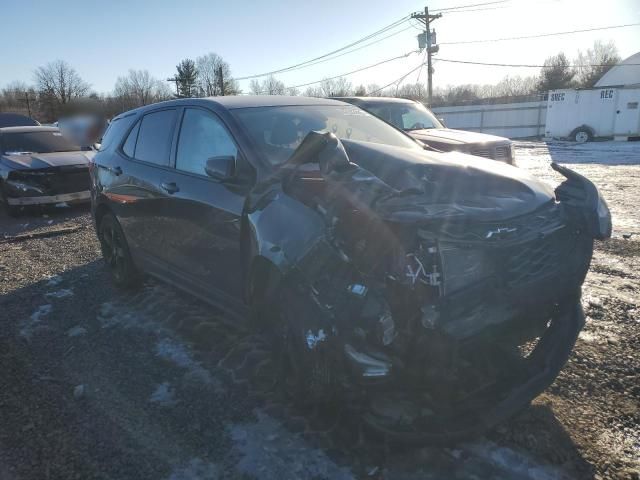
202, 136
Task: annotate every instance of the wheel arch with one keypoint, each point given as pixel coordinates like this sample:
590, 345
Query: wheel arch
585, 127
100, 211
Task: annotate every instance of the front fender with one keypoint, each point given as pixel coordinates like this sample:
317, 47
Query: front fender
282, 230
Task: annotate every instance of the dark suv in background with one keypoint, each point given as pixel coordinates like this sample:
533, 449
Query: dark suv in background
415, 119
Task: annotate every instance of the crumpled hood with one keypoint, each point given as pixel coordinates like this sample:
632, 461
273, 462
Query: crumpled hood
434, 185
455, 137
45, 160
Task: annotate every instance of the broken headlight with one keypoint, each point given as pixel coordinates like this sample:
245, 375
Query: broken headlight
462, 267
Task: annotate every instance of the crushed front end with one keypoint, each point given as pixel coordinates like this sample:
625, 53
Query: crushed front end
439, 319
56, 184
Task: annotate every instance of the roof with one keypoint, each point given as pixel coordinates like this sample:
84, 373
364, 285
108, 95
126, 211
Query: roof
28, 129
356, 100
247, 101
625, 73
232, 102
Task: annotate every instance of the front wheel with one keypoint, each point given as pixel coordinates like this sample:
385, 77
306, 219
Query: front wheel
115, 252
582, 135
310, 369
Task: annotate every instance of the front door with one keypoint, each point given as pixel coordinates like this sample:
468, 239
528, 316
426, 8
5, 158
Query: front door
203, 238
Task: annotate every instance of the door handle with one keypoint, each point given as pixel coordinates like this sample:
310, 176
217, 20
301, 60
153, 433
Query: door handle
170, 187
117, 171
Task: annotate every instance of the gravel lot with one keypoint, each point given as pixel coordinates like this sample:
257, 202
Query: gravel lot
96, 383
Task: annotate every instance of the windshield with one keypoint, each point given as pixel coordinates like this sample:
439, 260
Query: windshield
406, 116
36, 142
277, 131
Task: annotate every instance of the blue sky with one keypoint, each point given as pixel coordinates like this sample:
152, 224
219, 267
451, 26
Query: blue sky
103, 39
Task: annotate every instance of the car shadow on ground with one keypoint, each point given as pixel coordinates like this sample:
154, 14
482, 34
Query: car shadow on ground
100, 382
33, 219
609, 152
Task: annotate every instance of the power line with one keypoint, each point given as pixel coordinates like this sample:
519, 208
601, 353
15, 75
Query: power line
480, 9
423, 62
355, 49
469, 6
540, 35
363, 39
353, 71
396, 81
536, 66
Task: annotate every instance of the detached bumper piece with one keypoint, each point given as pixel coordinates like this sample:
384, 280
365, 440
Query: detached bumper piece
410, 419
69, 184
77, 197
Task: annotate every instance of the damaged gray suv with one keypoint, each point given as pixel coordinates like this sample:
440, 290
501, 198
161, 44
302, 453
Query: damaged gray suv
437, 293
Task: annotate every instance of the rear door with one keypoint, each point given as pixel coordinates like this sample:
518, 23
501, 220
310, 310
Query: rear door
140, 196
203, 241
627, 122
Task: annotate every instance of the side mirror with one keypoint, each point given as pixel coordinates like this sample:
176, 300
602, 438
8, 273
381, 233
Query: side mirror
96, 146
221, 168
441, 120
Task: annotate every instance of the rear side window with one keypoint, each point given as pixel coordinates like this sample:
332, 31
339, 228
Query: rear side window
115, 131
154, 137
129, 147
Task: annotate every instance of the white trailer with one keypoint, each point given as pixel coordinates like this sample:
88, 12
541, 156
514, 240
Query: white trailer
584, 114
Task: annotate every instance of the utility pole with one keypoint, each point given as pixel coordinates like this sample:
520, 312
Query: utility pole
176, 80
429, 44
221, 80
26, 96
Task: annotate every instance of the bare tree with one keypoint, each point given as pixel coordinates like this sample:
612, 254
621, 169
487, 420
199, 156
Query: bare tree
211, 67
139, 88
373, 90
512, 86
313, 92
293, 91
136, 87
337, 87
414, 91
595, 62
60, 82
19, 97
255, 87
270, 86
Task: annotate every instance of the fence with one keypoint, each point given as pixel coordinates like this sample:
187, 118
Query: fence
512, 120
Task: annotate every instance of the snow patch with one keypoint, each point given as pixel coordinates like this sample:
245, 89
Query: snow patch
178, 354
34, 320
62, 293
196, 469
268, 450
54, 280
163, 395
514, 464
76, 331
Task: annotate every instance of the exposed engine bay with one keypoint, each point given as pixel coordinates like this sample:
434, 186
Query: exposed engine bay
443, 298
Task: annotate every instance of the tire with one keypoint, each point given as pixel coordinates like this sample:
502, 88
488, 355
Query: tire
309, 375
582, 135
116, 254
